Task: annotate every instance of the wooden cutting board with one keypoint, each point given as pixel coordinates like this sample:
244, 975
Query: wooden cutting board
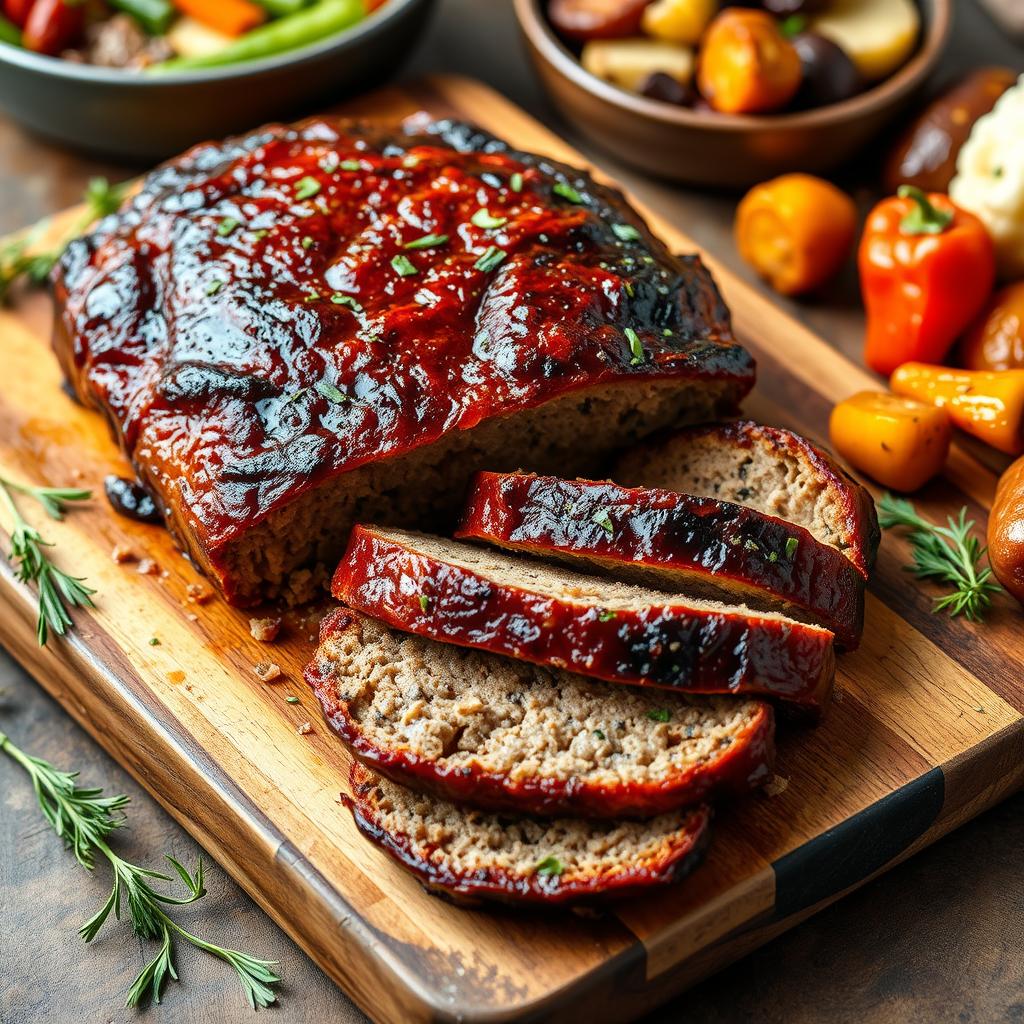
926, 732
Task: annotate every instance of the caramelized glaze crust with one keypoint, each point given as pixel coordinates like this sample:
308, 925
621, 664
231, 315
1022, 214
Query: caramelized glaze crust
281, 308
672, 541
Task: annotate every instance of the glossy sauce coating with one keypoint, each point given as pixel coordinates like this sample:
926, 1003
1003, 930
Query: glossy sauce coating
694, 540
742, 766
277, 309
428, 863
668, 645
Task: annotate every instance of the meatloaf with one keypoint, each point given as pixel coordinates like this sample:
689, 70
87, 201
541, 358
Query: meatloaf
491, 732
468, 595
471, 855
767, 468
671, 541
312, 324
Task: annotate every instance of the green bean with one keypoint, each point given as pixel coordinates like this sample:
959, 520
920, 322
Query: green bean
153, 15
282, 8
301, 29
9, 32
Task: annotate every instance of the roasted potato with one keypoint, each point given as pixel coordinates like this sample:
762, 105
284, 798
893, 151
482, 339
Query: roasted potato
629, 63
878, 35
596, 19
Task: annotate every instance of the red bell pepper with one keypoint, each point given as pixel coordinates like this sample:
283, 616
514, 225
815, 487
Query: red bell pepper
53, 25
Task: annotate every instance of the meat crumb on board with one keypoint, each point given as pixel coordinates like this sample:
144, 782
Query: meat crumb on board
265, 630
267, 671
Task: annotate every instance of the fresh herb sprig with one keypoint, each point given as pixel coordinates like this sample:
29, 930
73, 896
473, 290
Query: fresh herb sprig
949, 554
21, 259
84, 819
58, 591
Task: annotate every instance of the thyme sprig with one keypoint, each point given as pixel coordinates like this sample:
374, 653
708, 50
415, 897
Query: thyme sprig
58, 591
948, 554
21, 259
84, 819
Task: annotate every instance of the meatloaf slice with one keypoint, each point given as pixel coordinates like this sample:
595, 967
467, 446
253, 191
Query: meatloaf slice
500, 734
311, 324
472, 855
471, 596
767, 468
674, 542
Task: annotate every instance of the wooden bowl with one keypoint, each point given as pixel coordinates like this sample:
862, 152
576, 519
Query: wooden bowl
705, 148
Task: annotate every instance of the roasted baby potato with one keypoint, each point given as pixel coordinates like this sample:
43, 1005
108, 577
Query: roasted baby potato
679, 21
596, 19
629, 63
878, 35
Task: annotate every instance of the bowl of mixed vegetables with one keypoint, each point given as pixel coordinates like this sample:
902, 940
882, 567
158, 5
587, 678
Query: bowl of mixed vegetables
143, 79
726, 93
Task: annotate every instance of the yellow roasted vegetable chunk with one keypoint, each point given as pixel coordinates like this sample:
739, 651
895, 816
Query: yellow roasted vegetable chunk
627, 63
679, 21
877, 35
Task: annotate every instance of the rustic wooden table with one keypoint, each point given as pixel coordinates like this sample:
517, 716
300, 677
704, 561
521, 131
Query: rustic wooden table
937, 939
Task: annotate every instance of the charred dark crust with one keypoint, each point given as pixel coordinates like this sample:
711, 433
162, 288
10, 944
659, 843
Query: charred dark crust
670, 646
697, 541
680, 857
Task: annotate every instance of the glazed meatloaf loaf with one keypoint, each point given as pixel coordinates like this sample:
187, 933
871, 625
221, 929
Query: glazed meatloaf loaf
671, 541
313, 324
474, 855
495, 733
468, 595
767, 468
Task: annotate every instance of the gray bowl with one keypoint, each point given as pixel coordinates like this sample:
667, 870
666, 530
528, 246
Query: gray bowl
127, 114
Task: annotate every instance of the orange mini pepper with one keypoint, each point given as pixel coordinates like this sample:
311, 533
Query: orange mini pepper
986, 403
232, 17
900, 442
926, 269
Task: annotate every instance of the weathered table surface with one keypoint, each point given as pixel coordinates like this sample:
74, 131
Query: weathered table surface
937, 939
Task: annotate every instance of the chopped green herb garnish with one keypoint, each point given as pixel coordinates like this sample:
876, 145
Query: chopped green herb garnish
599, 734
627, 287
560, 188
226, 226
659, 715
340, 299
351, 165
329, 164
635, 347
424, 603
213, 287
625, 233
606, 616
154, 641
330, 392
516, 182
311, 296
291, 699
410, 160
666, 333
490, 259
550, 867
773, 556
483, 219
752, 545
307, 242
791, 545
997, 172
426, 242
793, 25
603, 520
295, 396
262, 233
403, 266
307, 187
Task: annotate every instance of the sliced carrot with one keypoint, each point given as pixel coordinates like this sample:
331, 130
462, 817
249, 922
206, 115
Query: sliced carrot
232, 17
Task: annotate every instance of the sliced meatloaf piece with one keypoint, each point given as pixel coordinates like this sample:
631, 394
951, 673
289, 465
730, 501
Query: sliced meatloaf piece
312, 324
472, 855
501, 734
767, 468
471, 596
671, 541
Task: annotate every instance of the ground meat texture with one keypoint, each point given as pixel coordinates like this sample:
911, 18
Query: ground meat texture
491, 732
769, 469
471, 856
313, 324
675, 542
459, 593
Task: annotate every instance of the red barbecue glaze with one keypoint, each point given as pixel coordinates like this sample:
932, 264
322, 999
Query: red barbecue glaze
244, 325
701, 541
670, 646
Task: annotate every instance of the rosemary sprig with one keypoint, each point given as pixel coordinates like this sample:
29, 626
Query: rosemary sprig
949, 554
84, 818
57, 590
21, 260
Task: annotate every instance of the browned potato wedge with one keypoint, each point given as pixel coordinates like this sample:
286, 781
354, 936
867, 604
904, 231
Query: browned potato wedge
628, 63
877, 35
679, 21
